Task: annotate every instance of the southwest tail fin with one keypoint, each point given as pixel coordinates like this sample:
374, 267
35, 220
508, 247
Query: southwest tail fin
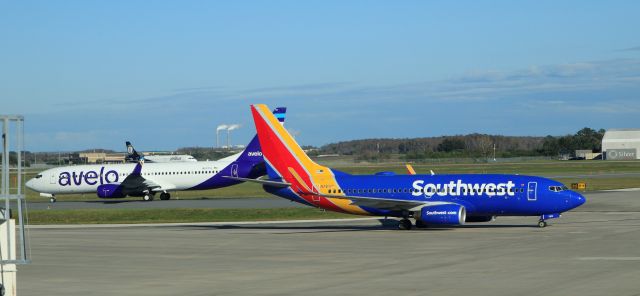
284, 158
132, 154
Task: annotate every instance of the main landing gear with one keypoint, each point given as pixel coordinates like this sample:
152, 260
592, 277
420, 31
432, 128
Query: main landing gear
405, 224
165, 196
420, 224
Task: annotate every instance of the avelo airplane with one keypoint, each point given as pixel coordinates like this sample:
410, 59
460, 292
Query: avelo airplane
429, 199
146, 179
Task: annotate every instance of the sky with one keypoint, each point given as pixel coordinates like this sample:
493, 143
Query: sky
165, 74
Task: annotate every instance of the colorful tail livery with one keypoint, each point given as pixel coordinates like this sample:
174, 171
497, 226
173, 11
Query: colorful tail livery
429, 199
145, 178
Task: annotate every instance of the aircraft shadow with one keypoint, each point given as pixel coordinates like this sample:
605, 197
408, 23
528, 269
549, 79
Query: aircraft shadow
383, 225
114, 201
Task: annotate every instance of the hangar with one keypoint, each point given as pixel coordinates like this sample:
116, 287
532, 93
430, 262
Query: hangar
621, 144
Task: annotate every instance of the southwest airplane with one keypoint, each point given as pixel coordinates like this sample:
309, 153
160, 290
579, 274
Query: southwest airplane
429, 199
146, 179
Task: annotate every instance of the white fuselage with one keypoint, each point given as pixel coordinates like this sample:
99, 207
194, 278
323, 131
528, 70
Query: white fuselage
87, 178
170, 158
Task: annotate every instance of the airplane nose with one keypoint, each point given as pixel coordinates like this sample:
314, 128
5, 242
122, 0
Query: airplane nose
31, 184
578, 199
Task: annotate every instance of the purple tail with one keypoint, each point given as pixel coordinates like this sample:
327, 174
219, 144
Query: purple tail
252, 153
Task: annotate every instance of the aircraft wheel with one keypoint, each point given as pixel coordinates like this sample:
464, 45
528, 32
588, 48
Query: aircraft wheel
165, 196
542, 224
52, 200
147, 197
405, 224
420, 224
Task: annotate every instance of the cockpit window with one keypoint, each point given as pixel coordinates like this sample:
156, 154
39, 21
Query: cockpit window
558, 188
38, 176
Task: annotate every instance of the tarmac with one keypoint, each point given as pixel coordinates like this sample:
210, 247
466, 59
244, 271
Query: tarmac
592, 250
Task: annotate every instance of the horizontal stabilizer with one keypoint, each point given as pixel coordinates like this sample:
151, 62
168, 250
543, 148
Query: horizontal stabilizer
261, 181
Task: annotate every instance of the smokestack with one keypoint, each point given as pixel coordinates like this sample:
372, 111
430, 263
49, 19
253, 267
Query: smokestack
229, 129
218, 129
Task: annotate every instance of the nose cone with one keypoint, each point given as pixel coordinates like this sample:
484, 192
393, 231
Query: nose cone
31, 184
577, 199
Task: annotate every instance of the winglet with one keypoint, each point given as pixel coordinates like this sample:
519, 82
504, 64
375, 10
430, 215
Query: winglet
410, 169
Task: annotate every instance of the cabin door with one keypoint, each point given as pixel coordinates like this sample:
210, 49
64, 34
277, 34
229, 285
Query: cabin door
532, 191
53, 179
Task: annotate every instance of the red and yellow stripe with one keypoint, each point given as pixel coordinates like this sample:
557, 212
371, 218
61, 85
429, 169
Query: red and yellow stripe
308, 179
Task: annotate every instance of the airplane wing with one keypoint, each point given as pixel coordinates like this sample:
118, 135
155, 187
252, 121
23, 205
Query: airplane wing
135, 182
272, 183
373, 202
386, 203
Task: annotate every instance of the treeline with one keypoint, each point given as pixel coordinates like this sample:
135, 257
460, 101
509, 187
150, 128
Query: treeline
472, 145
584, 139
459, 146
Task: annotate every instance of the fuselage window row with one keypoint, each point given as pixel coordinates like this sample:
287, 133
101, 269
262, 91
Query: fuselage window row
429, 190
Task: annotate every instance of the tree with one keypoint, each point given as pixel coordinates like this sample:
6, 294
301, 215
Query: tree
451, 144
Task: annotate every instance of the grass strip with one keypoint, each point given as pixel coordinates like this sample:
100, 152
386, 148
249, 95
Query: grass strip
126, 216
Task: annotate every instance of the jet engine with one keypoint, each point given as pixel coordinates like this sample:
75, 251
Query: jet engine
110, 191
447, 214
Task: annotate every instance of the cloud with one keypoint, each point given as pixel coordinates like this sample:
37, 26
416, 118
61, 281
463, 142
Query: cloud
635, 48
595, 93
73, 140
489, 85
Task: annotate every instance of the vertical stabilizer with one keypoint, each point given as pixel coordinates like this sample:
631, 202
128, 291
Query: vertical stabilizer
283, 156
132, 154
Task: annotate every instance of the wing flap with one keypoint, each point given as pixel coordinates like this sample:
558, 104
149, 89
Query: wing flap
272, 183
384, 203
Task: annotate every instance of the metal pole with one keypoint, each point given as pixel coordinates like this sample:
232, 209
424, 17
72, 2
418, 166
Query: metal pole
21, 198
5, 178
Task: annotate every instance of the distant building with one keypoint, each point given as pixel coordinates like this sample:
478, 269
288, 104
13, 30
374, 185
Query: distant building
621, 144
96, 157
587, 154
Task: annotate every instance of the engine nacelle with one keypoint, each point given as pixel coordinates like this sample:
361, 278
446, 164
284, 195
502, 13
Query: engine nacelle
480, 218
110, 191
448, 214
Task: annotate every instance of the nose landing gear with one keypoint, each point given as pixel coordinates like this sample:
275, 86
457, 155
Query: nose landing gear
542, 223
